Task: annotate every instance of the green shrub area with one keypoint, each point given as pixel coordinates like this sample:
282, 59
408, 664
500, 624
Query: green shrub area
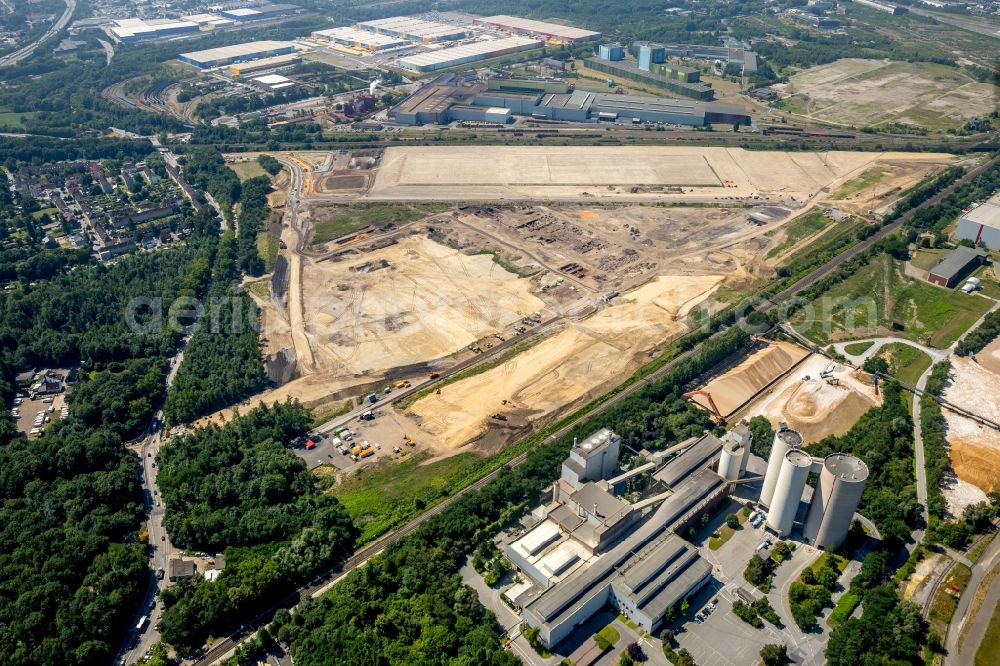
812, 592
975, 341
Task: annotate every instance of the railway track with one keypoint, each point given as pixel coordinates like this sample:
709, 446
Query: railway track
225, 646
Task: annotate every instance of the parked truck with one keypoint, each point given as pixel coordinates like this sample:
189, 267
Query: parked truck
373, 398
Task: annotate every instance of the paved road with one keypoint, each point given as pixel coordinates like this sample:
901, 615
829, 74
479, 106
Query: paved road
225, 646
959, 655
21, 54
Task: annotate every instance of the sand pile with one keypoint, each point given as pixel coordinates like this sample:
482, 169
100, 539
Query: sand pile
818, 409
569, 367
734, 388
974, 449
989, 357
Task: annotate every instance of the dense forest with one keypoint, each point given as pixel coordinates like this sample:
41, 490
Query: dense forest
71, 570
222, 362
253, 218
239, 489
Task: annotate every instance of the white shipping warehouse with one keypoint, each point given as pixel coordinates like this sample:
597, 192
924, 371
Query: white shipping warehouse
135, 29
272, 82
466, 53
359, 39
414, 29
227, 55
981, 225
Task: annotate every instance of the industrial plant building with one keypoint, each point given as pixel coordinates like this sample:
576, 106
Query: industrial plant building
842, 481
650, 68
464, 54
550, 32
272, 82
593, 544
588, 547
363, 40
886, 7
276, 62
227, 55
746, 60
553, 99
981, 225
135, 29
414, 29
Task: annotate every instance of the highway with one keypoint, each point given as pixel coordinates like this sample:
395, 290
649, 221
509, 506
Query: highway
25, 52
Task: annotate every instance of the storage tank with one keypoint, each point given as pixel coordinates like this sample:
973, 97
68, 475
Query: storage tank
785, 439
841, 484
788, 491
729, 462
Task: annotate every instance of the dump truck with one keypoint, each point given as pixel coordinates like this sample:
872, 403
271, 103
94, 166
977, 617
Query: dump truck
366, 453
368, 416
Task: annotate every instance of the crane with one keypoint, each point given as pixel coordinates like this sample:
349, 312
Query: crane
717, 416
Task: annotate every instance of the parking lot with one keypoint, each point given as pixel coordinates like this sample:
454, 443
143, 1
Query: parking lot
386, 436
27, 411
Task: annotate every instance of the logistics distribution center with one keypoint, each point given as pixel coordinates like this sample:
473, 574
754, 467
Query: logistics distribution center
981, 224
549, 32
552, 99
464, 54
589, 547
228, 55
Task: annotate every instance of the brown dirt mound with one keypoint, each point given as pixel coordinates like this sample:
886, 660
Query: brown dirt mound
989, 358
976, 464
736, 387
817, 409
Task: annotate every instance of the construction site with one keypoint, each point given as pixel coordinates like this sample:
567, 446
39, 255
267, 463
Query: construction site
504, 315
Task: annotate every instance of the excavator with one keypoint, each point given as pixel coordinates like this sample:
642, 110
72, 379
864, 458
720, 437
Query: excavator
717, 416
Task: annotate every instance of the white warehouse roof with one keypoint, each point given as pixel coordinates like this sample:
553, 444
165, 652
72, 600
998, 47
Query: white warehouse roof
987, 214
272, 79
236, 50
466, 50
518, 24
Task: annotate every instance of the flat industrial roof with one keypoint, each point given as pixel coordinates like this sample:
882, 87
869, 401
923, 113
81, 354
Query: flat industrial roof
271, 79
956, 261
467, 50
237, 50
363, 37
696, 456
412, 26
987, 214
537, 27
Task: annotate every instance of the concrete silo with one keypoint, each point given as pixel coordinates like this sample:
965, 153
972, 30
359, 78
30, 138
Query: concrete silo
841, 483
735, 452
788, 491
785, 439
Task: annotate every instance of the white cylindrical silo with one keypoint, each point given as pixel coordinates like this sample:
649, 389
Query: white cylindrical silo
841, 483
785, 439
729, 462
788, 491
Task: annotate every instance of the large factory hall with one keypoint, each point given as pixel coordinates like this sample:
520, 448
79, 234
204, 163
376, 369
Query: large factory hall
596, 542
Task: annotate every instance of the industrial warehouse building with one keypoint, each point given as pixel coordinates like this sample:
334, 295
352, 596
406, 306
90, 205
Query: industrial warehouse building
587, 547
271, 82
956, 265
981, 225
650, 68
277, 62
360, 39
135, 29
261, 13
456, 56
550, 32
227, 55
414, 29
747, 60
552, 99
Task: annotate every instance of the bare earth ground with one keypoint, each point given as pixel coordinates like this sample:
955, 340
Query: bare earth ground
566, 368
974, 450
619, 173
815, 406
891, 179
408, 303
735, 387
871, 92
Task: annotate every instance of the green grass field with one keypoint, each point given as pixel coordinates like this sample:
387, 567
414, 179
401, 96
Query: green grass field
386, 494
725, 533
330, 222
865, 180
925, 259
15, 120
988, 653
259, 289
905, 362
858, 347
51, 212
868, 302
247, 170
799, 229
267, 247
